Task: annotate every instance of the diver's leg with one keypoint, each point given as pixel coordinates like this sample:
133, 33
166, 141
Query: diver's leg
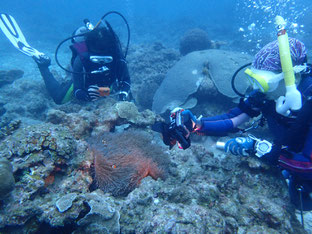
55, 89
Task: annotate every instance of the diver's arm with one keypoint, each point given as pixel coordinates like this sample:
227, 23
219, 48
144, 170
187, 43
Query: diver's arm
240, 119
78, 78
231, 114
222, 124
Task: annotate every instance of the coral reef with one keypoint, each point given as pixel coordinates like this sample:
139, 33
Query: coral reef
32, 146
8, 77
129, 112
29, 99
8, 126
205, 191
193, 40
122, 160
103, 216
107, 115
39, 155
65, 202
2, 109
148, 65
210, 194
35, 141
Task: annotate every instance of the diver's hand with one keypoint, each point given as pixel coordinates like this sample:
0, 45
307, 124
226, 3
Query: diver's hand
189, 120
42, 60
94, 92
123, 96
240, 146
187, 116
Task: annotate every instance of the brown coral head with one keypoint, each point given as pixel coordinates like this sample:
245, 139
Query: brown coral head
124, 160
194, 40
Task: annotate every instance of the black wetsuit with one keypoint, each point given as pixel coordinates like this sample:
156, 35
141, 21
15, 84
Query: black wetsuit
118, 72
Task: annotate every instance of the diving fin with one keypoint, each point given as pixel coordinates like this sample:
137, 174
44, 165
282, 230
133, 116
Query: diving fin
13, 32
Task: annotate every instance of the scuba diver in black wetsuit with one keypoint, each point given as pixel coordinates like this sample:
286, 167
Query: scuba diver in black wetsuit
98, 64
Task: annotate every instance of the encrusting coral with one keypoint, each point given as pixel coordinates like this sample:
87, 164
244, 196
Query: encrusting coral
122, 160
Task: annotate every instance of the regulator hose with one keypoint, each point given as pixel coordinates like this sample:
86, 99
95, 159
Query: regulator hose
234, 77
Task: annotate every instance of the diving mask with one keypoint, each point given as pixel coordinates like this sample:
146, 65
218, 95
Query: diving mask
266, 81
101, 59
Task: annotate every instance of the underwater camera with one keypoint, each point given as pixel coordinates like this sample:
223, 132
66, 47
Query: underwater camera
173, 132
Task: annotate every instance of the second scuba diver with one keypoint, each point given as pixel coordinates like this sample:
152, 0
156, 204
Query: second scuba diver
98, 64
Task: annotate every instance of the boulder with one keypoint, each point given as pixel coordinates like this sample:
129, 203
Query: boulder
7, 181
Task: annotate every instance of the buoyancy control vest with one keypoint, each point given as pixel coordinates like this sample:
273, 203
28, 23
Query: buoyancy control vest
95, 73
279, 124
298, 158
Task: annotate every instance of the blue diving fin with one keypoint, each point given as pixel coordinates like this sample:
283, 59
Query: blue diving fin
13, 32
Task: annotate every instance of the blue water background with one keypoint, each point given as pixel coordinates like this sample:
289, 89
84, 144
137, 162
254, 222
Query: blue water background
47, 22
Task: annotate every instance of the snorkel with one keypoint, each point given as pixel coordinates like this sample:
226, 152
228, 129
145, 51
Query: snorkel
267, 62
292, 98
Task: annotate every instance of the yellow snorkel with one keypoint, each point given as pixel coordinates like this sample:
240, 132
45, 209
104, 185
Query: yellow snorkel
292, 99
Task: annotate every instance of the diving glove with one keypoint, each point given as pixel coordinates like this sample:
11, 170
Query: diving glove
94, 92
